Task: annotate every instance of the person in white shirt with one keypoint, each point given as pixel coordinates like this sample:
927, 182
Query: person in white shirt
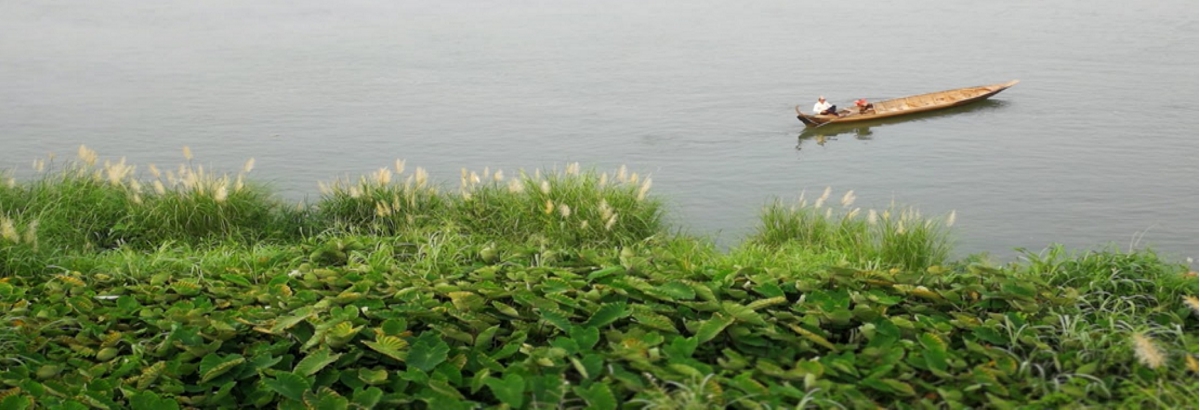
823, 107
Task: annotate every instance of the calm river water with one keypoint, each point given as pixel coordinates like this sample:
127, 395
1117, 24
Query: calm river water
1097, 145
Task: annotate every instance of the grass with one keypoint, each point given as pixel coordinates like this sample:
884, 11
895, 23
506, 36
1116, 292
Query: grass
893, 237
549, 290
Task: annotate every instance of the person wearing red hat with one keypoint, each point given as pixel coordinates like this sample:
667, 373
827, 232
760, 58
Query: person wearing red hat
863, 105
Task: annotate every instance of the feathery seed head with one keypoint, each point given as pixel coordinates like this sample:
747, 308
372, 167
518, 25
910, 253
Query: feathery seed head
621, 173
564, 210
10, 182
355, 192
871, 217
950, 219
422, 177
154, 171
221, 194
8, 231
399, 165
603, 179
515, 186
499, 176
824, 196
573, 168
249, 166
187, 153
583, 224
633, 178
31, 233
1147, 352
475, 177
39, 165
611, 221
545, 187
645, 188
159, 188
853, 213
383, 176
87, 155
848, 199
548, 208
1193, 302
605, 210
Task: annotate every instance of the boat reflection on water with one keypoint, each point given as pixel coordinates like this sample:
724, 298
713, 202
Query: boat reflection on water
863, 130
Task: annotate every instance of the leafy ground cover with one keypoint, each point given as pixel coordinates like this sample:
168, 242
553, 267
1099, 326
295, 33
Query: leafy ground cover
555, 290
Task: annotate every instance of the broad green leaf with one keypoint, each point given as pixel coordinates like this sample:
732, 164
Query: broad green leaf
427, 351
238, 279
606, 314
655, 321
484, 338
746, 383
213, 365
506, 309
771, 301
936, 360
332, 401
585, 337
678, 290
712, 327
932, 342
598, 396
812, 337
394, 327
315, 361
770, 290
21, 402
445, 389
990, 336
367, 399
289, 385
388, 345
555, 317
510, 390
606, 272
681, 347
466, 301
296, 317
373, 377
590, 366
743, 313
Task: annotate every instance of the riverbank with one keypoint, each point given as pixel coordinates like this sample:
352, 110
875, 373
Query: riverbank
545, 289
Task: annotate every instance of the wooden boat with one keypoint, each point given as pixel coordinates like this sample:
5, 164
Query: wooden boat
906, 105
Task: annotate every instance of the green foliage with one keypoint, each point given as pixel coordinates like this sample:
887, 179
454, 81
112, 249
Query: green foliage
895, 237
491, 298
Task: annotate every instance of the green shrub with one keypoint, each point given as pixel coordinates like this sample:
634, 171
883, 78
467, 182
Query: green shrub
898, 237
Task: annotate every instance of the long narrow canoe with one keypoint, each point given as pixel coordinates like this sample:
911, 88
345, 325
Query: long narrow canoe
907, 105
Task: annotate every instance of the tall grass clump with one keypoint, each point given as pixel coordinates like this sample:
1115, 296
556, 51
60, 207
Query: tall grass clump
77, 203
898, 237
84, 205
380, 203
569, 207
192, 205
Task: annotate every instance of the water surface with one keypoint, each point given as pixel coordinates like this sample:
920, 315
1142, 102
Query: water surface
1097, 145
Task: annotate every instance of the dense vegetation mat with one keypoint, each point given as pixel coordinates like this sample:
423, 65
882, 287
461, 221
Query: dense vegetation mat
350, 323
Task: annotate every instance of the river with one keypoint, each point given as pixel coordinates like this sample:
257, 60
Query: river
1097, 146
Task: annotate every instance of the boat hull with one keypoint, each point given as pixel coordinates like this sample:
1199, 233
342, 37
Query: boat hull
908, 105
